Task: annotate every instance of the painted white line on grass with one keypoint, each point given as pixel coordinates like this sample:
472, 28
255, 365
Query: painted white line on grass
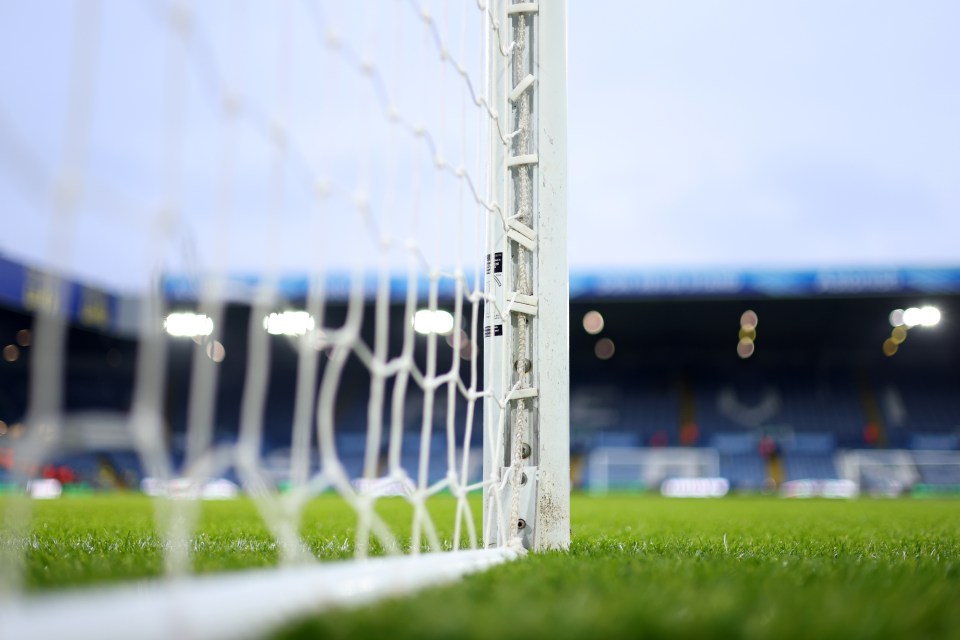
242, 604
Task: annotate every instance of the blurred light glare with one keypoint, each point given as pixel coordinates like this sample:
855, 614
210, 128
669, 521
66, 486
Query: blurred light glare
747, 334
426, 322
929, 316
289, 323
24, 337
216, 351
896, 318
889, 347
604, 349
319, 339
749, 320
898, 335
593, 322
188, 325
461, 337
11, 353
911, 317
745, 348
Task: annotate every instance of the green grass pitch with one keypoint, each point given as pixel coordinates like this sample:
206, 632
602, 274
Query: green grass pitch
638, 567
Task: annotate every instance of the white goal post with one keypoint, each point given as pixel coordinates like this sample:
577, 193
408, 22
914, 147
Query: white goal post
895, 472
526, 330
635, 468
378, 192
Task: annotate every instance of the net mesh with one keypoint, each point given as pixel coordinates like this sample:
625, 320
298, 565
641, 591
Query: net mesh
313, 169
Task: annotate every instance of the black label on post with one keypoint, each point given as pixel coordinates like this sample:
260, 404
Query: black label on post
497, 330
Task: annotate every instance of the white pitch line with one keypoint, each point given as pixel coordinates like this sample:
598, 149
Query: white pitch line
242, 604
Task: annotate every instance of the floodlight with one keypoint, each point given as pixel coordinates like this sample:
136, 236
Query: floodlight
426, 322
188, 325
593, 322
912, 317
289, 323
929, 316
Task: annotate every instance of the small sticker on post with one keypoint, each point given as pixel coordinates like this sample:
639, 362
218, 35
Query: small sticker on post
497, 331
497, 262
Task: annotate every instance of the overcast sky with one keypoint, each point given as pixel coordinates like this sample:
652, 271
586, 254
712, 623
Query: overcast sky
754, 133
748, 134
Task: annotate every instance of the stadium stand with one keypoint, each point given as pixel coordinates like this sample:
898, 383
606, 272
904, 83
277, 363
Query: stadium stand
912, 406
675, 381
740, 460
810, 455
938, 467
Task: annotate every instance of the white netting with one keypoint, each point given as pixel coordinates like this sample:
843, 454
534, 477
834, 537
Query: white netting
327, 159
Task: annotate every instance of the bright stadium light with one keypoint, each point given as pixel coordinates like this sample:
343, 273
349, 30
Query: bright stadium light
890, 347
929, 316
749, 320
426, 322
604, 349
289, 323
188, 325
593, 322
911, 317
896, 318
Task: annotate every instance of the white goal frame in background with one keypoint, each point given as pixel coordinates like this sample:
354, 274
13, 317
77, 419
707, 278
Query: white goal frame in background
648, 468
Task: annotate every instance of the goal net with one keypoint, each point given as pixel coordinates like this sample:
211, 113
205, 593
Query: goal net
288, 250
639, 468
897, 472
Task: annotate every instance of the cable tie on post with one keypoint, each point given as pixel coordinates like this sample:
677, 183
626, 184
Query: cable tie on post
520, 394
522, 86
522, 229
522, 240
523, 7
527, 158
525, 309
